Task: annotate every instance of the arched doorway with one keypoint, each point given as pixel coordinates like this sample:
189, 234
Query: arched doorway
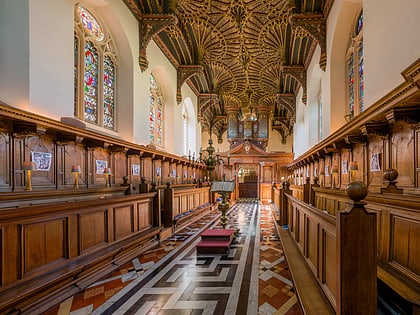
248, 175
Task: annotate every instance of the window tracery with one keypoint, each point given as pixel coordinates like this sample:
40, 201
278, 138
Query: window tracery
156, 102
355, 70
95, 71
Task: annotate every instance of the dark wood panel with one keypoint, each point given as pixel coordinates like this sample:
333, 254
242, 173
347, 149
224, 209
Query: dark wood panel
144, 210
248, 190
414, 248
123, 221
329, 257
312, 251
93, 229
405, 244
399, 240
1, 256
48, 250
43, 244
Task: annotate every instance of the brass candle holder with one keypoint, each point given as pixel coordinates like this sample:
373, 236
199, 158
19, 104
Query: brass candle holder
28, 166
334, 173
353, 169
107, 173
76, 170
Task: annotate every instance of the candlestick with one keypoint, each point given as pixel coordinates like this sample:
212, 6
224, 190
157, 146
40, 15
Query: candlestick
75, 169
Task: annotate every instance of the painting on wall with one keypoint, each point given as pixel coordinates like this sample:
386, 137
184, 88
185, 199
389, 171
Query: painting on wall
344, 167
100, 166
135, 169
42, 160
375, 162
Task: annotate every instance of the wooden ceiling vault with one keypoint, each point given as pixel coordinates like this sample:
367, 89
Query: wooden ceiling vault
240, 56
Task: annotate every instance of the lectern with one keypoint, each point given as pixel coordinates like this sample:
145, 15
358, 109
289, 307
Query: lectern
223, 189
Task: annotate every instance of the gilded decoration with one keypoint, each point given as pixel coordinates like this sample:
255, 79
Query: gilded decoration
238, 56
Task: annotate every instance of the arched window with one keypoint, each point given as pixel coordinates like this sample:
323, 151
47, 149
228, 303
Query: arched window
156, 102
185, 119
94, 71
355, 70
189, 126
320, 117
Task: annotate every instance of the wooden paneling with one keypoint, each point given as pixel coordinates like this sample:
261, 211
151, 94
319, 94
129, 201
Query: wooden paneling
43, 243
46, 250
265, 192
123, 221
145, 215
329, 271
302, 229
184, 200
314, 233
93, 229
405, 243
403, 160
5, 161
1, 256
312, 242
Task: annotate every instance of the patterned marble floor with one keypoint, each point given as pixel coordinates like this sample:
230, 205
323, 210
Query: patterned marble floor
171, 279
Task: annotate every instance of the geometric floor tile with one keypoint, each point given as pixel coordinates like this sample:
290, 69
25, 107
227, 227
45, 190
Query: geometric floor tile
172, 279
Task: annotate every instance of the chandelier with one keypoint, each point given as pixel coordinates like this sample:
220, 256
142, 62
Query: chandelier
209, 159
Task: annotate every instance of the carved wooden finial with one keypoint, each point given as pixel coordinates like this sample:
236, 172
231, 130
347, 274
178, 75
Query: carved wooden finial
391, 175
356, 191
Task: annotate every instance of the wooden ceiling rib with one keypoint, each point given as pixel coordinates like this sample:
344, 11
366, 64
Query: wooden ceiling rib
250, 50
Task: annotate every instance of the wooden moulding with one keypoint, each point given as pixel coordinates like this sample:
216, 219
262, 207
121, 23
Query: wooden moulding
50, 252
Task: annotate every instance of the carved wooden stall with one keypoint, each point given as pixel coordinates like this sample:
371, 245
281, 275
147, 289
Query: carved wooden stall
70, 208
49, 251
264, 169
183, 206
380, 148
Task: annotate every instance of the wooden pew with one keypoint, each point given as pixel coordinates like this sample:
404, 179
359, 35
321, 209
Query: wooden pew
52, 251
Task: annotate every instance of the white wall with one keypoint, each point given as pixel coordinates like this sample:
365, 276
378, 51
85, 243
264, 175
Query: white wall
14, 53
36, 63
51, 58
300, 143
391, 43
275, 144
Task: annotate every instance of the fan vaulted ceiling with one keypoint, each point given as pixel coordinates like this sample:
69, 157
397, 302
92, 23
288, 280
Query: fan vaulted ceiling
239, 56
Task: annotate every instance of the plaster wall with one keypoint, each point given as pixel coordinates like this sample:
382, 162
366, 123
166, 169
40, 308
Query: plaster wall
391, 43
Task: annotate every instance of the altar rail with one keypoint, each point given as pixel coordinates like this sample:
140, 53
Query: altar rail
49, 252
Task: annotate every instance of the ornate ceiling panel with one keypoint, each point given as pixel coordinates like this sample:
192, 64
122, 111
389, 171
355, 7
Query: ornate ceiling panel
246, 53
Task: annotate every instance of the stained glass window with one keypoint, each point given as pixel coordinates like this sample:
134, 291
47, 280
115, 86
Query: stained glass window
355, 70
361, 78
91, 83
152, 118
109, 93
359, 24
351, 84
155, 113
94, 58
76, 74
90, 23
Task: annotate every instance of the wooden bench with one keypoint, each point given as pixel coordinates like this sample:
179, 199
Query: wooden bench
187, 217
